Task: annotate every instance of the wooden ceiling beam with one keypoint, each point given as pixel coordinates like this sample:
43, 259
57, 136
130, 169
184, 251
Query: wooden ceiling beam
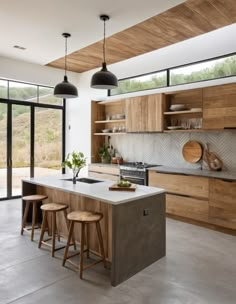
187, 20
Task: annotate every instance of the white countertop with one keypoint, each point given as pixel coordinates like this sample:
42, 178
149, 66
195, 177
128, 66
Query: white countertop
97, 191
227, 175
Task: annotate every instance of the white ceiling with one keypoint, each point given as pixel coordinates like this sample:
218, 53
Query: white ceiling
37, 25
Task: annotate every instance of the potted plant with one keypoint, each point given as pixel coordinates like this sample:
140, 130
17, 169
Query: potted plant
75, 161
104, 153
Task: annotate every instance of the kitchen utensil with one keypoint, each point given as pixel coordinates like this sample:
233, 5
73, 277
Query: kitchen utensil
115, 187
192, 151
213, 161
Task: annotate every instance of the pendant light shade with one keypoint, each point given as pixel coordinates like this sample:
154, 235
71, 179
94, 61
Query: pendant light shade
65, 89
104, 79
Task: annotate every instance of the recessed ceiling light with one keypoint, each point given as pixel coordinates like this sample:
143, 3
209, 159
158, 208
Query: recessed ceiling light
19, 47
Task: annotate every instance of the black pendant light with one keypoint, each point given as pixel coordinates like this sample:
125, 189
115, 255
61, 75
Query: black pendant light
104, 79
65, 89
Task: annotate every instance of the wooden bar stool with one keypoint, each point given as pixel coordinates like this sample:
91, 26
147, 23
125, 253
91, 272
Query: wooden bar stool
85, 218
34, 200
53, 208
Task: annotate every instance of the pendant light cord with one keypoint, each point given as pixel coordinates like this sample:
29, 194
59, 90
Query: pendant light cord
66, 56
104, 42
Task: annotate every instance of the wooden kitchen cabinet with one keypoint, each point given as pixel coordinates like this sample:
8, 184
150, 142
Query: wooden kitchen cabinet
194, 186
219, 107
144, 113
188, 207
104, 172
208, 200
222, 203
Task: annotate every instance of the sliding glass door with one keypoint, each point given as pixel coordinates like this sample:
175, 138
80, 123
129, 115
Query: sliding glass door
3, 150
31, 144
21, 132
48, 142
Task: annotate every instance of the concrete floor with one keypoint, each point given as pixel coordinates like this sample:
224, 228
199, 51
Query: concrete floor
200, 267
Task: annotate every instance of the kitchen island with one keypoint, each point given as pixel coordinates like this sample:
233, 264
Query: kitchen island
133, 226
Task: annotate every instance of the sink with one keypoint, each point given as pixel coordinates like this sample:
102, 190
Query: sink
84, 180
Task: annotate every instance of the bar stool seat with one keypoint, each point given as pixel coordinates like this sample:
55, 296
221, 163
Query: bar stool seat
34, 200
85, 218
53, 208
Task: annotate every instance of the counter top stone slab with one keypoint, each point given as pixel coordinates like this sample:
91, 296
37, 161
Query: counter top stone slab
226, 175
98, 191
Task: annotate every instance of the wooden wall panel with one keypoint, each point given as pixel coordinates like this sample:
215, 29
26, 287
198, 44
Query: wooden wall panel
187, 20
77, 202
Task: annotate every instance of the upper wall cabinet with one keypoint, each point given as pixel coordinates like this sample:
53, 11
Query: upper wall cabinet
144, 113
219, 107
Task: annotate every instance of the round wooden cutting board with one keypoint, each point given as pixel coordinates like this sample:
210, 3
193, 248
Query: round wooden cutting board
192, 151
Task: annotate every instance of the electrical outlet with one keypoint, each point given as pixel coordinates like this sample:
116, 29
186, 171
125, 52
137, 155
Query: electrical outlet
145, 212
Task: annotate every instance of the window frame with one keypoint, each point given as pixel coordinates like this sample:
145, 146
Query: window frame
32, 106
168, 70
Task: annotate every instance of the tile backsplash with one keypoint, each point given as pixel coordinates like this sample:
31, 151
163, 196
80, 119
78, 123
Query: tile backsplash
166, 149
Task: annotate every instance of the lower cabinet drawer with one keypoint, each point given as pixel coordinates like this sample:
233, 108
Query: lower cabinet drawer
180, 184
187, 207
105, 176
222, 203
222, 217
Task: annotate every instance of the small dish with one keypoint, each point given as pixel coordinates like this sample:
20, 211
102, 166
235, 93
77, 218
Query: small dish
174, 127
107, 131
178, 107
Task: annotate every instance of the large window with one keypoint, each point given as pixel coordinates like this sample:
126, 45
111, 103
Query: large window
208, 70
200, 71
140, 83
32, 134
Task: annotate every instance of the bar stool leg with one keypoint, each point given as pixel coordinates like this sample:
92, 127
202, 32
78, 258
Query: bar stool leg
25, 217
68, 227
87, 239
71, 228
53, 232
82, 250
43, 228
33, 219
101, 242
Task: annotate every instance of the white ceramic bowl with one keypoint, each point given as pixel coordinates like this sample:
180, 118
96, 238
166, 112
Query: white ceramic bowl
107, 131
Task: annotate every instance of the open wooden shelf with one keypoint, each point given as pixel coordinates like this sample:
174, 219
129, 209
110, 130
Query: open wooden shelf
110, 121
199, 130
110, 134
182, 112
184, 130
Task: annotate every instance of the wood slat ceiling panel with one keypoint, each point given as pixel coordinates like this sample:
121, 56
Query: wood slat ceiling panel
187, 20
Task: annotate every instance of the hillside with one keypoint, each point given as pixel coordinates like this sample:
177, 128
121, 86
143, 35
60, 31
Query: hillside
47, 137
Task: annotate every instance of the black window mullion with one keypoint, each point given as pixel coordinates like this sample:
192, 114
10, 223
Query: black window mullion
168, 77
32, 139
9, 150
64, 134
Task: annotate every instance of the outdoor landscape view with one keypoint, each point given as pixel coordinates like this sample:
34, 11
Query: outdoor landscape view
195, 72
48, 137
